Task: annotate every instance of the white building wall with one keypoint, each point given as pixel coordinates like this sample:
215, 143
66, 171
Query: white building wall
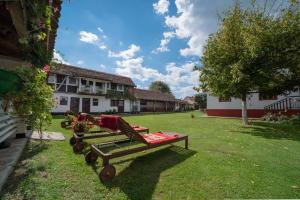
103, 103
253, 102
127, 105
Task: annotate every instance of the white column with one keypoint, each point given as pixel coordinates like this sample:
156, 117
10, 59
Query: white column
79, 84
94, 88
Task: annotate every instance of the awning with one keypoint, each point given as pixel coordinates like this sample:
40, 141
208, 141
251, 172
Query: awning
9, 81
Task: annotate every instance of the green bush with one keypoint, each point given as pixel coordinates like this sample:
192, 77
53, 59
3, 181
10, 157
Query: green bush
281, 118
295, 119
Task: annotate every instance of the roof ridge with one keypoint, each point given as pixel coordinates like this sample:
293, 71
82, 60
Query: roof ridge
93, 70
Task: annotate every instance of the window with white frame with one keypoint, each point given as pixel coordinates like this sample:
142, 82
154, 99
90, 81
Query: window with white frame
120, 87
99, 85
51, 78
95, 102
63, 101
224, 99
72, 81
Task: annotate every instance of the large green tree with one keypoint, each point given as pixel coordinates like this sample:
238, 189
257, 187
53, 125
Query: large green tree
160, 86
250, 53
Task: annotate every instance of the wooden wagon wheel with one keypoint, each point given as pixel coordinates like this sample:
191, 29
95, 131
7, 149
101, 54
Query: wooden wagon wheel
91, 157
78, 147
63, 124
72, 141
107, 173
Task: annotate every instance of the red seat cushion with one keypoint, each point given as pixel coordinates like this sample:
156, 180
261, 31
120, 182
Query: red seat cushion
138, 128
109, 121
158, 137
83, 117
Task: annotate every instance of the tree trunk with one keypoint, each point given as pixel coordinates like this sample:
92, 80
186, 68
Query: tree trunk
244, 111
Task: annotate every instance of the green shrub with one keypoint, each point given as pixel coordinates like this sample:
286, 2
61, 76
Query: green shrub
295, 119
269, 117
281, 118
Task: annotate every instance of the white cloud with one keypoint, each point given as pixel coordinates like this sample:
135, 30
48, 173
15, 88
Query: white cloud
181, 78
164, 42
103, 46
126, 54
100, 29
134, 68
88, 37
186, 91
102, 67
161, 7
79, 62
194, 21
58, 58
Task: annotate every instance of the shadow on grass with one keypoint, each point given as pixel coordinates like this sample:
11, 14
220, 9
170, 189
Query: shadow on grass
23, 169
139, 179
274, 130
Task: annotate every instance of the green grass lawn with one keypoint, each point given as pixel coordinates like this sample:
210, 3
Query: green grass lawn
225, 160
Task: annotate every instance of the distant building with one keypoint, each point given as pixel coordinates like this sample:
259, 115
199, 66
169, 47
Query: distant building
258, 104
84, 90
191, 101
153, 101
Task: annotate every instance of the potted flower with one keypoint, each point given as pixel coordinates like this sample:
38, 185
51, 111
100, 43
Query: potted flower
81, 127
69, 119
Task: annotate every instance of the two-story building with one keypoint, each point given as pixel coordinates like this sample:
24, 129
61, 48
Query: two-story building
84, 90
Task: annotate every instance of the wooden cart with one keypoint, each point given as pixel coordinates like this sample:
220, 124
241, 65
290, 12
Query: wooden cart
77, 140
149, 141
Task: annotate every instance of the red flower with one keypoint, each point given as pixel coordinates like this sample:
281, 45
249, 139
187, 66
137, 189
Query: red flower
56, 9
46, 68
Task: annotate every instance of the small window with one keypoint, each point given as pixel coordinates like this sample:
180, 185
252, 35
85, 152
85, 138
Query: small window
63, 101
72, 89
114, 103
120, 87
99, 84
224, 99
113, 86
95, 102
51, 78
108, 85
91, 83
263, 97
83, 82
61, 88
72, 81
60, 78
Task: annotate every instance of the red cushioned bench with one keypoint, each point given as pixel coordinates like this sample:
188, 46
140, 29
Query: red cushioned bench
108, 127
150, 140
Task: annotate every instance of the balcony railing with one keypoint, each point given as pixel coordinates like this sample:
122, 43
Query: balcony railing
288, 103
86, 89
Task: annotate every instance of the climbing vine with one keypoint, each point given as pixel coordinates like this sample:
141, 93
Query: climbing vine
34, 43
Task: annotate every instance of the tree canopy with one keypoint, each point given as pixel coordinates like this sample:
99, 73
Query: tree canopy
160, 86
253, 50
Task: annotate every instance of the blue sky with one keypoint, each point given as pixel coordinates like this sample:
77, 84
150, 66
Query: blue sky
143, 39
